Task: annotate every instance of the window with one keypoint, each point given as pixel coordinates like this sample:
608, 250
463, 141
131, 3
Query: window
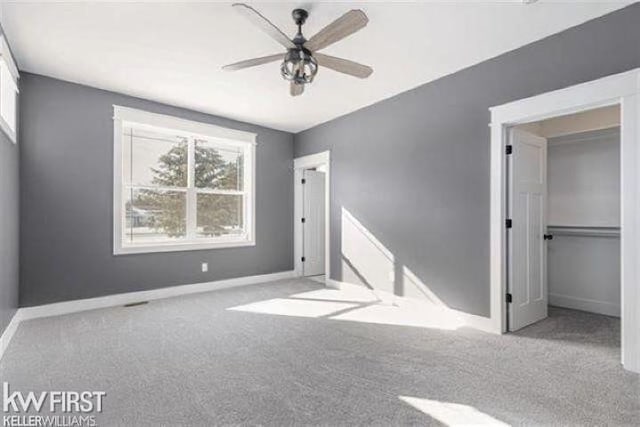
180, 185
8, 91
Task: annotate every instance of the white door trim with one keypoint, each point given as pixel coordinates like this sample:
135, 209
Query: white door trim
299, 164
622, 89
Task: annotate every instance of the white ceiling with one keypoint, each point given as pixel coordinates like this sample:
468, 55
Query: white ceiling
172, 52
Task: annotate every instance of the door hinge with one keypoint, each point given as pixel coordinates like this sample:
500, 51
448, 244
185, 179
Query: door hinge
302, 259
509, 298
509, 149
508, 223
303, 220
304, 181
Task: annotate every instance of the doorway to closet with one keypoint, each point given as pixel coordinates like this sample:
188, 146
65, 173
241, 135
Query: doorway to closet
563, 205
313, 182
311, 212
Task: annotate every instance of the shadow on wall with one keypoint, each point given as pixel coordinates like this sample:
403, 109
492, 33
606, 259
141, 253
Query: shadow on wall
366, 261
375, 289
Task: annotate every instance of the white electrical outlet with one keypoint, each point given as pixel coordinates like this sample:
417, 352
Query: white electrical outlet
205, 267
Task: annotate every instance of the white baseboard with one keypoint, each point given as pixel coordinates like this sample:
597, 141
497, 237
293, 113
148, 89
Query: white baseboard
8, 333
480, 323
332, 284
584, 304
474, 321
75, 306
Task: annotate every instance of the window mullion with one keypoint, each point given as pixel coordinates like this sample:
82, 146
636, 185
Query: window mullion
191, 189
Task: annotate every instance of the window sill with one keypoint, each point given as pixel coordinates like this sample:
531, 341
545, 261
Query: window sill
180, 247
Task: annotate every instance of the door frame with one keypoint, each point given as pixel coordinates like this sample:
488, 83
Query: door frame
299, 165
619, 89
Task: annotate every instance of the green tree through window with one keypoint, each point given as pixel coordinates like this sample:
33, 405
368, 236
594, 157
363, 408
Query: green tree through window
217, 213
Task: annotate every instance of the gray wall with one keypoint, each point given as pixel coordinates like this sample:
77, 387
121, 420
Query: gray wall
584, 190
66, 175
9, 226
414, 169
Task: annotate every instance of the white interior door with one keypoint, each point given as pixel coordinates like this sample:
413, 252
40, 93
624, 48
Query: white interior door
314, 222
528, 212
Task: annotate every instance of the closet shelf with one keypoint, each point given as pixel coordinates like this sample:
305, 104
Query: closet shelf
582, 230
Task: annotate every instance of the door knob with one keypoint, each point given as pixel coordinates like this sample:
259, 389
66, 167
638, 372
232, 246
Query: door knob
548, 237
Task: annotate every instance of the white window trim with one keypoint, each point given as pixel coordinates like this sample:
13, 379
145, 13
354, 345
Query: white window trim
228, 136
5, 56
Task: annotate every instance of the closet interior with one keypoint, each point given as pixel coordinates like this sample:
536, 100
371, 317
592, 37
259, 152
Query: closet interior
583, 209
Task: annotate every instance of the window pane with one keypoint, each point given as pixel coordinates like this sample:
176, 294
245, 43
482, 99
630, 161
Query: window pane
154, 158
219, 215
155, 216
218, 167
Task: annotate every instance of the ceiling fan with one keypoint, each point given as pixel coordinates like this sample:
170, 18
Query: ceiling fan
301, 61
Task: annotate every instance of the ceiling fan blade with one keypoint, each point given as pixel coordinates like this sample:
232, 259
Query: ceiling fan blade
264, 24
253, 62
295, 89
343, 66
342, 27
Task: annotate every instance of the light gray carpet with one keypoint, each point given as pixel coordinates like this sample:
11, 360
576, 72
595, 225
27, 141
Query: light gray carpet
190, 361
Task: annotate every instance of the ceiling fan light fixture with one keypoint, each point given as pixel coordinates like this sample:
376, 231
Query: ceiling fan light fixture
299, 66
